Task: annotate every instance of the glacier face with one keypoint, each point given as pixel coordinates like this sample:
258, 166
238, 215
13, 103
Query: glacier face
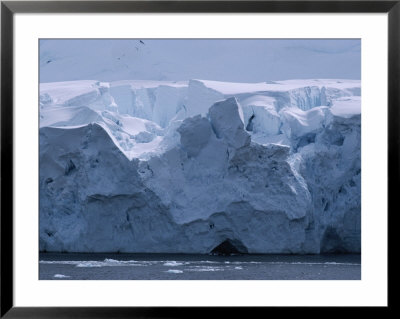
181, 167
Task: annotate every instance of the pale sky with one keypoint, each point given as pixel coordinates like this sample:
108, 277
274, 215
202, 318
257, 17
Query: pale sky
247, 60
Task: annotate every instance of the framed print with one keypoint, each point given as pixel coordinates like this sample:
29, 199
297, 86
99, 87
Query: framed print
164, 155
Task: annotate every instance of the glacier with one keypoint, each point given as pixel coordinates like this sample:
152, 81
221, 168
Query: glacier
190, 166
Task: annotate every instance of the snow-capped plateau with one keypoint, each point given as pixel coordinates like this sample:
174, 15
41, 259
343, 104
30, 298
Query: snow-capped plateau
185, 166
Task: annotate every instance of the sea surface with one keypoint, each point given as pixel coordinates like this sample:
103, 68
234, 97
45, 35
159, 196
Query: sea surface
72, 266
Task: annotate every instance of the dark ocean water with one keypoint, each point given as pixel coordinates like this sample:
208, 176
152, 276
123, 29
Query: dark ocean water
71, 266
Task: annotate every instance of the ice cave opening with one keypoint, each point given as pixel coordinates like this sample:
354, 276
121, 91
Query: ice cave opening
229, 247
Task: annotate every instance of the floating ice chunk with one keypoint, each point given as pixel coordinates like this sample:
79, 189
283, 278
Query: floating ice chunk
172, 263
174, 271
205, 268
109, 260
90, 264
61, 276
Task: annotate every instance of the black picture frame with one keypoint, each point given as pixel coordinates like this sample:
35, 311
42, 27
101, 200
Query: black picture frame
9, 8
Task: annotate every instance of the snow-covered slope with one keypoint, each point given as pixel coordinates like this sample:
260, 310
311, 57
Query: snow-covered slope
164, 166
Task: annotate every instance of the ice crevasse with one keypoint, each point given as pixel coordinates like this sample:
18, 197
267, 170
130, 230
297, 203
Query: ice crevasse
183, 167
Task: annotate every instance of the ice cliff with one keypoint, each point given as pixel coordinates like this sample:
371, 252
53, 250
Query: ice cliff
183, 167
